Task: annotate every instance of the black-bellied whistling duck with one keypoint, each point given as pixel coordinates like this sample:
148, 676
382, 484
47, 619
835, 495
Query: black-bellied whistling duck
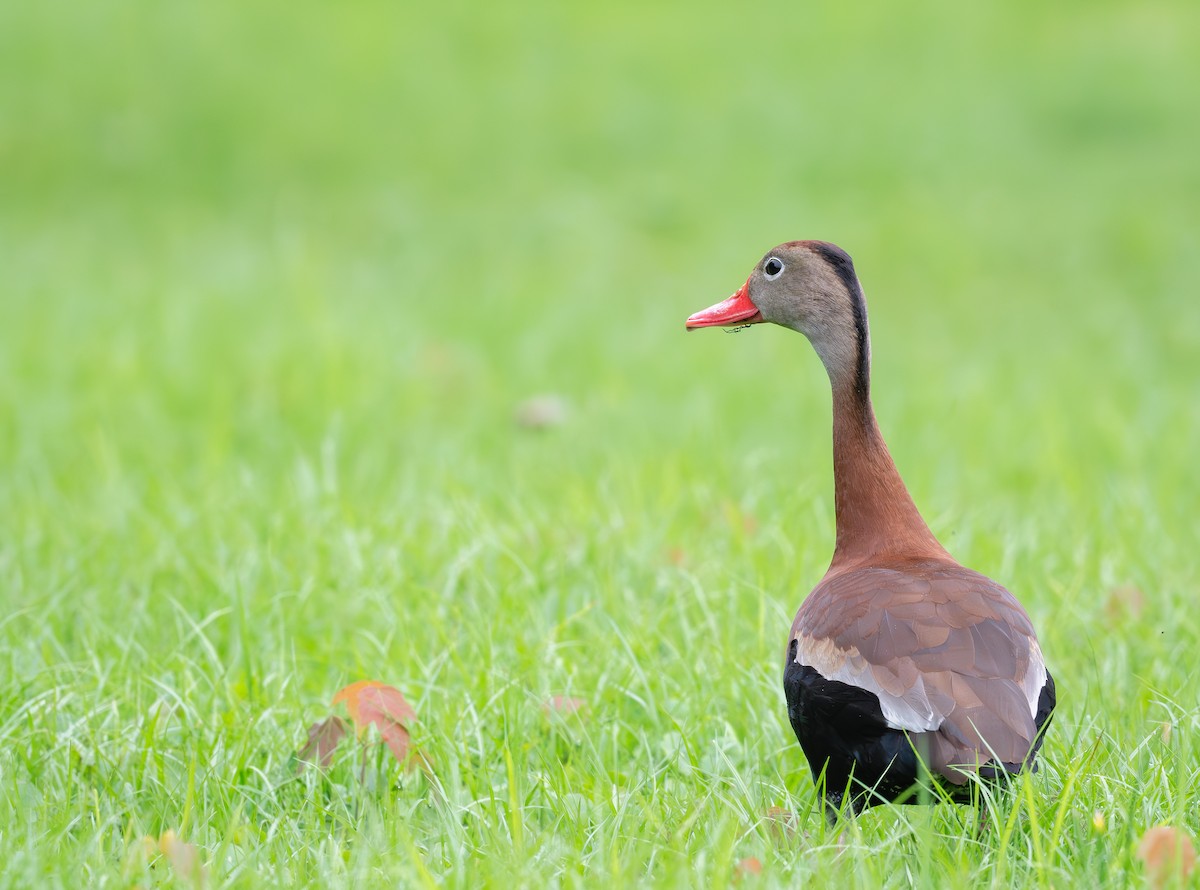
900, 658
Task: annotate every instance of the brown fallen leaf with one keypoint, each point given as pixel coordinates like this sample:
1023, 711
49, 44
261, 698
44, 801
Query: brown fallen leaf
563, 704
372, 703
1168, 854
323, 739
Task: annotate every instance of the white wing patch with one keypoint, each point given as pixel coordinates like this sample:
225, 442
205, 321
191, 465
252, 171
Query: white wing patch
905, 706
1035, 677
905, 702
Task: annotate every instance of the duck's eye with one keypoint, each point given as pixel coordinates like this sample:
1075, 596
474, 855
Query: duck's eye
772, 269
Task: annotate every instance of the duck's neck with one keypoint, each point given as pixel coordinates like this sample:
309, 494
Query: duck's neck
876, 517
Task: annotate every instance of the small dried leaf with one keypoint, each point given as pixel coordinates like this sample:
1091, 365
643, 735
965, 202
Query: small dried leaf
1165, 732
1124, 603
781, 824
418, 759
184, 858
323, 739
563, 704
748, 866
1167, 853
371, 703
738, 518
543, 411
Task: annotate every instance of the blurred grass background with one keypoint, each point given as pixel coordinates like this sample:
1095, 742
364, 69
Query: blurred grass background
274, 277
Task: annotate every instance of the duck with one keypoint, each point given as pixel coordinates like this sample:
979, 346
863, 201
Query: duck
904, 669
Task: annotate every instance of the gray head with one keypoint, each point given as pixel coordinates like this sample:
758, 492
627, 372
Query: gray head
810, 287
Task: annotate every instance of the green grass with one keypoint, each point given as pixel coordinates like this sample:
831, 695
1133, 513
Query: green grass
273, 280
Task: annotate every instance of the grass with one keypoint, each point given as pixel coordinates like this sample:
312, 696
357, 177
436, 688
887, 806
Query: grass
274, 280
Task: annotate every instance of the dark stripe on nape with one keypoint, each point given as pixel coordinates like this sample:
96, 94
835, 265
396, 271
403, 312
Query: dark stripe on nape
841, 263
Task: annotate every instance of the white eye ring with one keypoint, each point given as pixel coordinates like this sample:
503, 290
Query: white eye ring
772, 268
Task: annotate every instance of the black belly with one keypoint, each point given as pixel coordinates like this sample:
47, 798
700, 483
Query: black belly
855, 756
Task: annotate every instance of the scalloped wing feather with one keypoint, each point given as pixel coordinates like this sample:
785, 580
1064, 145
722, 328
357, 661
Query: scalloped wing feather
947, 651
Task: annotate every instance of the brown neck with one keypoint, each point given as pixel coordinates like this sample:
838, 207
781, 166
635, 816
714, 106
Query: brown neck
876, 516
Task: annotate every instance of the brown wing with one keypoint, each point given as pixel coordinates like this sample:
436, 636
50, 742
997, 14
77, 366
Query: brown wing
948, 651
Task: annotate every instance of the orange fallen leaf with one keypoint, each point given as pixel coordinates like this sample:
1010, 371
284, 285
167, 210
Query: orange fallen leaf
369, 701
1167, 853
323, 739
372, 703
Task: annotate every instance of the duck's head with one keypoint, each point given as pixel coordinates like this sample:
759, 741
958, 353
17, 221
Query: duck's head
810, 287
